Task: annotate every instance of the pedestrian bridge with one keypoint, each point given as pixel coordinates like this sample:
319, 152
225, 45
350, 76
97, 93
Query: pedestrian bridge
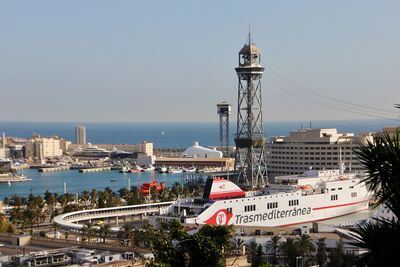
70, 221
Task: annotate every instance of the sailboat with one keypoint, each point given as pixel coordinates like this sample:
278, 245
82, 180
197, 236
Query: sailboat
162, 132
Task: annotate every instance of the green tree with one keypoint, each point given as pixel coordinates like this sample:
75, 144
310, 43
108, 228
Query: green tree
273, 245
321, 252
88, 231
381, 158
258, 259
305, 247
290, 250
104, 232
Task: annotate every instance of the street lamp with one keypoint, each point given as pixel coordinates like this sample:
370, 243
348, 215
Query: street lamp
299, 259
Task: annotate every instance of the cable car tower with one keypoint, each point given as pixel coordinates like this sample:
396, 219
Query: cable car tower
224, 110
250, 160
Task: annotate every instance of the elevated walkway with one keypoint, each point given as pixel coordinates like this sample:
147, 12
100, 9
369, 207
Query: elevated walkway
70, 221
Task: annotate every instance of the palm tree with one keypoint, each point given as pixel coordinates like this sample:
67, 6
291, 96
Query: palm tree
238, 243
321, 252
273, 245
289, 249
85, 196
305, 246
104, 231
88, 230
381, 159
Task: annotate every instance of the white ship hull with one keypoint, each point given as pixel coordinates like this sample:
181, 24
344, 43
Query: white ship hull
296, 200
312, 208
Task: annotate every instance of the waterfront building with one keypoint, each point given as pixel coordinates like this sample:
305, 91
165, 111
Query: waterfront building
80, 135
43, 147
145, 148
221, 164
316, 148
197, 151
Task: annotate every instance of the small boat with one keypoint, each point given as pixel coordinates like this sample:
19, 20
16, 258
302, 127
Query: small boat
148, 168
190, 170
162, 132
124, 170
146, 187
9, 183
171, 170
163, 169
114, 180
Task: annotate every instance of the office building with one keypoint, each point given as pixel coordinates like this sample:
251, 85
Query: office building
80, 135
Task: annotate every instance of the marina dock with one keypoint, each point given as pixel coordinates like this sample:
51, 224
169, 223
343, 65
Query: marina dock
99, 169
10, 178
54, 169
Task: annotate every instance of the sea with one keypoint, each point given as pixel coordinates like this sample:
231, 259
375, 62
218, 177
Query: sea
163, 135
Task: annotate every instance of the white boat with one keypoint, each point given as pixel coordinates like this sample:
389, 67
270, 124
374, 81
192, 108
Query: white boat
295, 199
172, 170
190, 170
163, 169
148, 168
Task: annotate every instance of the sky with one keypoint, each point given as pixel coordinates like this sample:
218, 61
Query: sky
173, 61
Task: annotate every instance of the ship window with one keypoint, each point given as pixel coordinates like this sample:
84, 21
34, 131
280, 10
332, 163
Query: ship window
354, 194
334, 197
294, 202
339, 188
272, 205
229, 210
249, 208
351, 187
333, 189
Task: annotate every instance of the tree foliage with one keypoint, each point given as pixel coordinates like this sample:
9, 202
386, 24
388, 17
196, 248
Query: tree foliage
381, 237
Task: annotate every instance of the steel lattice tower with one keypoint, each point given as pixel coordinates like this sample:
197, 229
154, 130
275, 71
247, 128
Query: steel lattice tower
250, 161
224, 110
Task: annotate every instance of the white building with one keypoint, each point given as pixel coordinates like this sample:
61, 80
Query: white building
316, 148
43, 147
197, 151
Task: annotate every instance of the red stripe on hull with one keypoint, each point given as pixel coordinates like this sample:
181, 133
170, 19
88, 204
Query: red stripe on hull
323, 219
340, 205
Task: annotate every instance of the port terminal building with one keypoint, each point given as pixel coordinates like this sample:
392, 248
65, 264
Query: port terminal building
316, 148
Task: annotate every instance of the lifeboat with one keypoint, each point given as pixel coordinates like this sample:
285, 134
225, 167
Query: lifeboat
306, 187
146, 187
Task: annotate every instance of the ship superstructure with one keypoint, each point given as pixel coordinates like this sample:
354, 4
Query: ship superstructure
313, 196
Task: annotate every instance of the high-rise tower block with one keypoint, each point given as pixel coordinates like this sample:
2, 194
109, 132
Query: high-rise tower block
80, 134
224, 110
250, 161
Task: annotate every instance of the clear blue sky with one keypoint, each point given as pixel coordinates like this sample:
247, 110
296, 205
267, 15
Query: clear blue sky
149, 61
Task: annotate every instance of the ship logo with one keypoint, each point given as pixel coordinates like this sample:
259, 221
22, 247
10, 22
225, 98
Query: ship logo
220, 217
222, 186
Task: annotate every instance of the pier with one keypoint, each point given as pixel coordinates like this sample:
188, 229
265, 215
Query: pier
54, 169
99, 169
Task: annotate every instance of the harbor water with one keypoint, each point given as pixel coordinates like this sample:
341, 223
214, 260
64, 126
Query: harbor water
77, 182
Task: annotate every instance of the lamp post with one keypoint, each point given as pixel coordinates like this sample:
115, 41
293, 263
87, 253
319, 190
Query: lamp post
299, 259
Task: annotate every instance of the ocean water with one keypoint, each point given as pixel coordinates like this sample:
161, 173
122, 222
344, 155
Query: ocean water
175, 134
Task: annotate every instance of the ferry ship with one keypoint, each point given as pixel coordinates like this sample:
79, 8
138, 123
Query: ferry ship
294, 199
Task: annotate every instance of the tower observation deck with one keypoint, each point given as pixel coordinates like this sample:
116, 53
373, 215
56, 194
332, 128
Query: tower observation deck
250, 160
